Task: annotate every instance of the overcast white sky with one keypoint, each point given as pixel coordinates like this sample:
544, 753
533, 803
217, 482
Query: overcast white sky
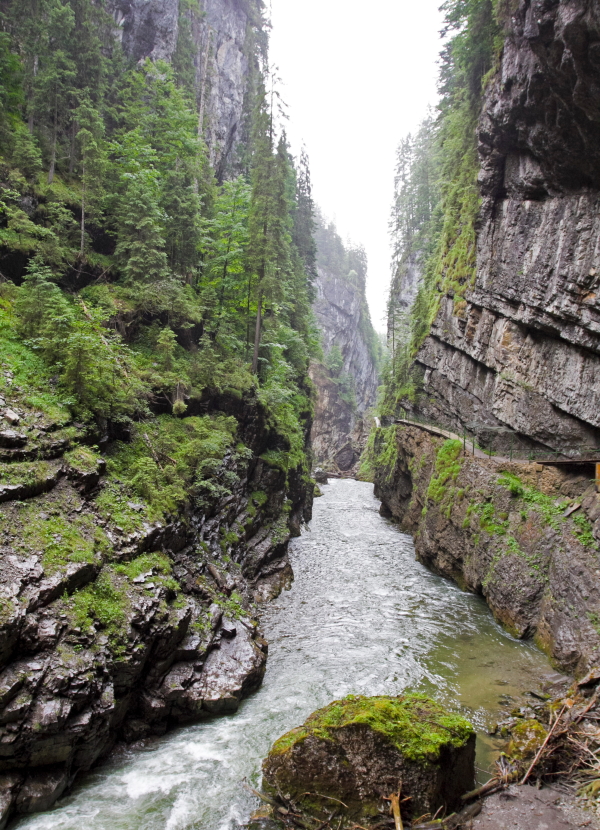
357, 77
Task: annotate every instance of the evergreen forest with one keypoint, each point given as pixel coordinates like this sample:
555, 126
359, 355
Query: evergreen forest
436, 201
135, 283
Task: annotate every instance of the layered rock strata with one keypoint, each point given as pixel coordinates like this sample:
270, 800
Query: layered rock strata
115, 627
339, 431
523, 349
524, 536
218, 33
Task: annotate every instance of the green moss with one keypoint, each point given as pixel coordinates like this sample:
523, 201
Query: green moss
105, 603
551, 513
83, 459
594, 619
113, 505
416, 725
583, 532
259, 497
448, 464
157, 562
28, 473
381, 454
168, 459
527, 737
231, 606
60, 539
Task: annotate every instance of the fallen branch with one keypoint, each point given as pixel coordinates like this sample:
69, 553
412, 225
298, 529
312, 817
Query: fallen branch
489, 787
543, 746
395, 799
329, 798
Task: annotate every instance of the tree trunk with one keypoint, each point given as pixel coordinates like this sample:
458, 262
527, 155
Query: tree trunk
257, 336
82, 248
72, 150
54, 140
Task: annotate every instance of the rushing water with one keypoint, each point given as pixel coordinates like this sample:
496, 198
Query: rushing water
362, 617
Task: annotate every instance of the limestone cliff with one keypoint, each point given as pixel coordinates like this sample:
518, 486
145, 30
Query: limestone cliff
523, 348
525, 536
219, 52
115, 626
346, 382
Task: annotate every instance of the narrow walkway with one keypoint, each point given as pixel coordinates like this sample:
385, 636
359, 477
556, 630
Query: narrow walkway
477, 453
445, 433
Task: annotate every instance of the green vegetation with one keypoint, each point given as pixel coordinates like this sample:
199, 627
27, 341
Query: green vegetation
380, 455
413, 723
60, 539
167, 461
133, 282
551, 511
34, 472
436, 196
448, 464
82, 459
348, 264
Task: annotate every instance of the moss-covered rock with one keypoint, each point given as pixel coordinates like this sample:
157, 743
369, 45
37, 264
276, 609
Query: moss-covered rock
357, 751
527, 736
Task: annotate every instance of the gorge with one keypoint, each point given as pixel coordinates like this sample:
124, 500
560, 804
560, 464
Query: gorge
185, 338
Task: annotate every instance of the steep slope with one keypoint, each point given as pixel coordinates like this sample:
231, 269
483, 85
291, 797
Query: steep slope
150, 474
346, 382
521, 347
214, 44
502, 342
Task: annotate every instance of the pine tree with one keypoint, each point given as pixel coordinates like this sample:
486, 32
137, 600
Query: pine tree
90, 138
140, 246
304, 221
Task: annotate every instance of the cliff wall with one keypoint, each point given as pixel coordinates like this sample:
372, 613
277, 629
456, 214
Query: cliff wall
522, 350
220, 57
346, 383
525, 536
115, 625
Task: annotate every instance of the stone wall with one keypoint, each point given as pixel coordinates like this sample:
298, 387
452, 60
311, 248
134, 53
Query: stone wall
150, 29
523, 351
528, 542
339, 433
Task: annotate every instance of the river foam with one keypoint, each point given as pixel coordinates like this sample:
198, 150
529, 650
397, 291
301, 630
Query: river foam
362, 617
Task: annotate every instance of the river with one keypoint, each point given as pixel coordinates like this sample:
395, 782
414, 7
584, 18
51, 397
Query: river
362, 617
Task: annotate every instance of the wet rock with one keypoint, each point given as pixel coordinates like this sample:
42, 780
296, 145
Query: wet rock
41, 789
537, 574
346, 457
231, 672
12, 417
357, 750
320, 476
228, 628
10, 439
527, 736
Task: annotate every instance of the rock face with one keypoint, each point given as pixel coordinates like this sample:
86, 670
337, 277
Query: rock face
345, 388
357, 750
152, 28
525, 536
114, 627
524, 350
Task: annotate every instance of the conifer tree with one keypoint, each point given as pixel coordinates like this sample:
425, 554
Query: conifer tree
304, 221
93, 163
140, 243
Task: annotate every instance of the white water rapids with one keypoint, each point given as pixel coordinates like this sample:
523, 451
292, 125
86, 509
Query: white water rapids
362, 617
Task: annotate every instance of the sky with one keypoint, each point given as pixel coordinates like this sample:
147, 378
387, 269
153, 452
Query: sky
357, 77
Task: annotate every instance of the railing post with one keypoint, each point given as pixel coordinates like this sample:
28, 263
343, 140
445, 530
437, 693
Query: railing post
597, 477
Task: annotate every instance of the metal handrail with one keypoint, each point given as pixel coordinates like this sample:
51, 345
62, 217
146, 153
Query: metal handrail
566, 454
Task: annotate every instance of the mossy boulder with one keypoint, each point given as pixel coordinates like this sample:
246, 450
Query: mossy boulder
527, 736
357, 750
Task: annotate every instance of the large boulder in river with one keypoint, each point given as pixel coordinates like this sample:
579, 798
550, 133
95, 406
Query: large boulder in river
355, 752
